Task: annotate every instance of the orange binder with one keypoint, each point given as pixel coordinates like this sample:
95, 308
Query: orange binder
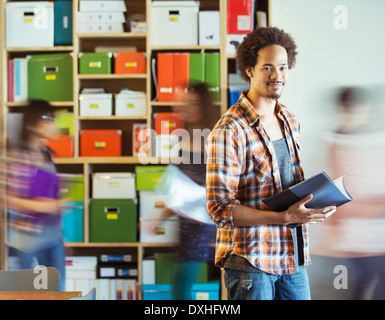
181, 75
165, 73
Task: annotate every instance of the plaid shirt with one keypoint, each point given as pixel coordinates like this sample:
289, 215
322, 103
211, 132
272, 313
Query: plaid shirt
242, 169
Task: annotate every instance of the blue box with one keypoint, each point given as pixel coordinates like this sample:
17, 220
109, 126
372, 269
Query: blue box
200, 291
62, 22
73, 221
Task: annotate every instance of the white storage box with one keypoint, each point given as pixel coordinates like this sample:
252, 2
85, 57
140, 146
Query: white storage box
29, 24
174, 23
130, 103
209, 26
167, 145
100, 5
103, 17
165, 231
152, 203
232, 41
95, 104
100, 27
113, 185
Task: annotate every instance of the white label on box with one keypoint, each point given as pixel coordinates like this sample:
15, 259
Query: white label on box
107, 272
202, 296
243, 23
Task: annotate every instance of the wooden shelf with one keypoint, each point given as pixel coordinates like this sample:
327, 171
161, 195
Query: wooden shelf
53, 104
113, 118
187, 48
38, 49
118, 245
111, 35
111, 76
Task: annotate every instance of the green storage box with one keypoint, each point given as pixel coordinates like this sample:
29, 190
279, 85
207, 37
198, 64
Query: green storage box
113, 220
50, 77
166, 267
151, 178
72, 187
95, 63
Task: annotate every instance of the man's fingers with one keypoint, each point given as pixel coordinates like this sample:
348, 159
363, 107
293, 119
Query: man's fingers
305, 200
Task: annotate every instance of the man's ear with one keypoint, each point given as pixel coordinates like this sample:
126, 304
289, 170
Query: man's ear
250, 72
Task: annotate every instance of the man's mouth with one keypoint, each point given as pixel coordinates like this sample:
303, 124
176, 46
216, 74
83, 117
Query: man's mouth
275, 84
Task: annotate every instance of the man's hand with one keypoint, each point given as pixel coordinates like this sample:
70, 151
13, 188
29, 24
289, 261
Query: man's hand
298, 213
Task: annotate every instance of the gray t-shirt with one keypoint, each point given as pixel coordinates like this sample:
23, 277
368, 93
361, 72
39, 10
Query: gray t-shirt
287, 179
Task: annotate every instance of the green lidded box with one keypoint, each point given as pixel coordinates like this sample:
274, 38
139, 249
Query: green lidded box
113, 220
72, 187
151, 178
95, 62
50, 77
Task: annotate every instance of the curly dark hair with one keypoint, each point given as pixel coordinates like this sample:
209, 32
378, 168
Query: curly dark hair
261, 37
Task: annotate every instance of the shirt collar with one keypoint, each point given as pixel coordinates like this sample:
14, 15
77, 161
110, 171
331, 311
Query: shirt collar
250, 113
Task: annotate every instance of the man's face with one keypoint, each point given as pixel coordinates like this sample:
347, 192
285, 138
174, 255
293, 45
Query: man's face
269, 75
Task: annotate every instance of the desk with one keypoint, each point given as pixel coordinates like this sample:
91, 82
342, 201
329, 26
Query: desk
39, 295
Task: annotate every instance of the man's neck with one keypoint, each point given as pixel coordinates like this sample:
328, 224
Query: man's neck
263, 106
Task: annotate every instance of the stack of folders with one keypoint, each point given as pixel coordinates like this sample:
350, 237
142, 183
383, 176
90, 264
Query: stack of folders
175, 73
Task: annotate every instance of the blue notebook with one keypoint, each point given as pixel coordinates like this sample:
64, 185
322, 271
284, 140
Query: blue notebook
326, 192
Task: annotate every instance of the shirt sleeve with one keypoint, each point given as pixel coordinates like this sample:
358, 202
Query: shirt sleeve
222, 178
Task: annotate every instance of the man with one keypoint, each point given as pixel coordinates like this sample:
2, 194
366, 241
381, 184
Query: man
253, 152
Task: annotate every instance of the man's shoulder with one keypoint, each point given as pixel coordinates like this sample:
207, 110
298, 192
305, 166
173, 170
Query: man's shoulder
231, 119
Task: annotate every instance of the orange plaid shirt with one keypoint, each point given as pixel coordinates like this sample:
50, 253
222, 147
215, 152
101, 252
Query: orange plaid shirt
242, 169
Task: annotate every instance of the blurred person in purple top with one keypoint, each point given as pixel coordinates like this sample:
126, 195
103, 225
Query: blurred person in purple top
33, 199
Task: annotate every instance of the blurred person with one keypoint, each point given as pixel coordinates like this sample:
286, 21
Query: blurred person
196, 231
357, 147
253, 153
33, 198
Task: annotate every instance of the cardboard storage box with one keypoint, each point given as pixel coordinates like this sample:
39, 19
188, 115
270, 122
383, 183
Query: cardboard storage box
113, 185
209, 28
102, 5
174, 23
130, 103
100, 27
152, 203
100, 143
62, 146
167, 122
130, 63
50, 77
167, 145
62, 22
113, 220
151, 178
73, 221
29, 24
72, 187
200, 291
95, 104
101, 17
166, 266
165, 231
95, 63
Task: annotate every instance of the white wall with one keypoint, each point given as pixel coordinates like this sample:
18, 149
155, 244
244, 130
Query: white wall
328, 58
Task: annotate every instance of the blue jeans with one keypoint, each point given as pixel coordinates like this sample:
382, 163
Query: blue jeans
52, 256
264, 286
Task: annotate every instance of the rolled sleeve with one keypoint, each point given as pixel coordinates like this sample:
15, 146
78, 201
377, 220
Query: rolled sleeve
223, 170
